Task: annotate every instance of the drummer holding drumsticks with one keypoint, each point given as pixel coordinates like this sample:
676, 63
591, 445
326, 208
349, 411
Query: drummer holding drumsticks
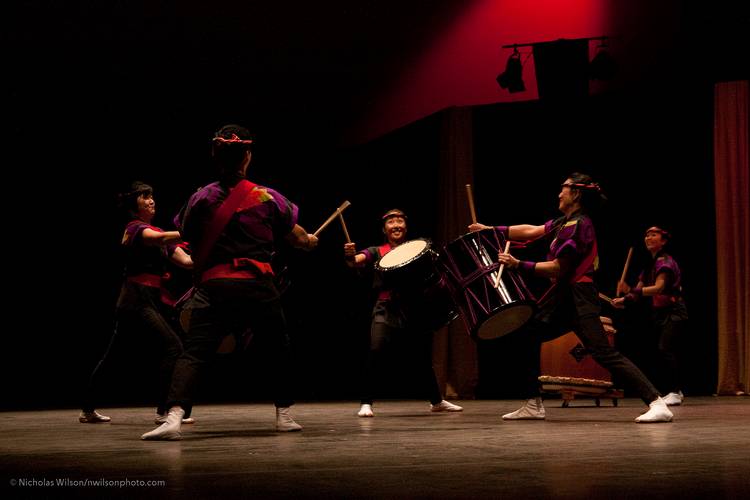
391, 324
572, 302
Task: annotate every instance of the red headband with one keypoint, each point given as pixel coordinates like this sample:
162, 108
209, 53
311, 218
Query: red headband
232, 140
593, 186
393, 213
657, 229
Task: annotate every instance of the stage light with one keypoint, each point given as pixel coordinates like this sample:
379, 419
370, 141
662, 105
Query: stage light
512, 77
602, 66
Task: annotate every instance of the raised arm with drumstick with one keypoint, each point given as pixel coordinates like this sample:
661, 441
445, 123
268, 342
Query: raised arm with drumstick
660, 285
572, 301
392, 325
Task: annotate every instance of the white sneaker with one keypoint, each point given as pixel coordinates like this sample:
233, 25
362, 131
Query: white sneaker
160, 419
445, 406
673, 398
169, 430
92, 417
365, 411
285, 422
533, 409
657, 412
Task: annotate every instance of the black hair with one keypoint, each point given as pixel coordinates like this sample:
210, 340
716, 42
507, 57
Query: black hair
128, 200
592, 197
230, 143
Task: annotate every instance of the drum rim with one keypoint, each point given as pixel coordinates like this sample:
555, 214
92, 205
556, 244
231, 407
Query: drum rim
461, 237
526, 302
427, 248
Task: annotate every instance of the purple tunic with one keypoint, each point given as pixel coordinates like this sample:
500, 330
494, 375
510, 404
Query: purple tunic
263, 218
141, 258
574, 240
664, 263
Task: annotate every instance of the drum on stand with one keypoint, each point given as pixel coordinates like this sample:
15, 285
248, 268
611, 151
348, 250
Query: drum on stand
567, 368
410, 270
470, 266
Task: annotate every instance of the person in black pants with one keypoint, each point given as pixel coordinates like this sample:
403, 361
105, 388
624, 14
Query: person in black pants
572, 302
234, 280
393, 323
660, 284
141, 307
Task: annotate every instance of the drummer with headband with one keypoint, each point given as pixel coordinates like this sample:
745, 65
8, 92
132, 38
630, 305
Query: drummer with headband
391, 324
660, 283
572, 302
234, 226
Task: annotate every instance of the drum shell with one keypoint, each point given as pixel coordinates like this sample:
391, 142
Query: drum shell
469, 264
420, 288
413, 274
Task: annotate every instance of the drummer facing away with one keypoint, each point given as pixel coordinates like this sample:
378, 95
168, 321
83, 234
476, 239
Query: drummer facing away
235, 226
392, 324
572, 302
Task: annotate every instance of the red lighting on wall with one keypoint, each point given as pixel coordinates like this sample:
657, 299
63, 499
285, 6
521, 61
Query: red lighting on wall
461, 63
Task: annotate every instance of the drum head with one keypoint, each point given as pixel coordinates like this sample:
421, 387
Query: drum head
505, 321
403, 254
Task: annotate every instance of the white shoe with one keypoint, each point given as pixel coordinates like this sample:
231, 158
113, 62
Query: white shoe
533, 409
673, 398
160, 419
285, 422
445, 406
365, 411
92, 417
169, 430
657, 412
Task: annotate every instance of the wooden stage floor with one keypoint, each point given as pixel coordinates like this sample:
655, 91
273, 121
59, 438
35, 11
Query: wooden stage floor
404, 452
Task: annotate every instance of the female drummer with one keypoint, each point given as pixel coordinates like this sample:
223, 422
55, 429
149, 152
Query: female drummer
392, 324
140, 308
572, 302
661, 284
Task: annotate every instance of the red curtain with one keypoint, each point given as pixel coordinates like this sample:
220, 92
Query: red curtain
454, 352
732, 189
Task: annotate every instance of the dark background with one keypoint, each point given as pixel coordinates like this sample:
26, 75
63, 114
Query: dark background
103, 93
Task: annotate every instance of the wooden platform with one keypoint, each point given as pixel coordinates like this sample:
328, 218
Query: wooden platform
404, 452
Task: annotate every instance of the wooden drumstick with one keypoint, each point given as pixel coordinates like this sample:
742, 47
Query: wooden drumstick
625, 269
333, 216
605, 298
471, 204
502, 266
343, 225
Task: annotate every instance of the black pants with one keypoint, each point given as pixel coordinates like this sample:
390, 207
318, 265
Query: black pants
577, 308
671, 326
221, 307
418, 347
140, 319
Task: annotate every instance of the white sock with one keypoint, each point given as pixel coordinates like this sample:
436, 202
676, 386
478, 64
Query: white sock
169, 430
532, 409
285, 422
365, 411
658, 411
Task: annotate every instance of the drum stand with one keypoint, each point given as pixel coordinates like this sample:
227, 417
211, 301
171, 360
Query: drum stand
569, 370
570, 387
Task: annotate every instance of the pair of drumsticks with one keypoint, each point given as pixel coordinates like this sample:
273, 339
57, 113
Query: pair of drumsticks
474, 221
339, 212
507, 247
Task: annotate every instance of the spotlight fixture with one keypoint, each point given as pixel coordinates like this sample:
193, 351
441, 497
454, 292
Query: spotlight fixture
602, 66
512, 78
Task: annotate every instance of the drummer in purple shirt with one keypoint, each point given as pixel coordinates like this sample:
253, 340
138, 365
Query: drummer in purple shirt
392, 323
142, 306
661, 285
234, 290
572, 302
